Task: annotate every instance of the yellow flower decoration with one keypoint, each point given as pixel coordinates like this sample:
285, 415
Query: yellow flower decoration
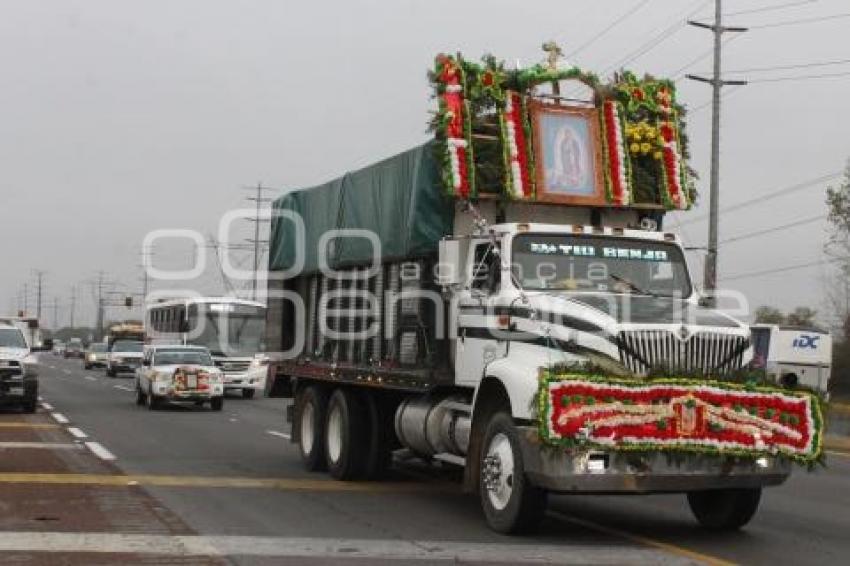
635, 148
645, 148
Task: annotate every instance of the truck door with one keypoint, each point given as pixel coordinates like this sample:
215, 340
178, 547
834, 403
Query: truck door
477, 342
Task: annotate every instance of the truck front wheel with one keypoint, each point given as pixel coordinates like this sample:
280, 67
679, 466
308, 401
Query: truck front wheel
724, 509
511, 503
346, 435
310, 406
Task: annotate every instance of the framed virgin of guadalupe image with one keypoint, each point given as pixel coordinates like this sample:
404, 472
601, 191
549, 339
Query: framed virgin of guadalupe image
568, 155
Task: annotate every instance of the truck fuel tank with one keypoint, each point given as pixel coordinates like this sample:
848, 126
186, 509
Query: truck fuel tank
429, 426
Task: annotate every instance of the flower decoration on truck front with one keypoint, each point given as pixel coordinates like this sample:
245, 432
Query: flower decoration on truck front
679, 415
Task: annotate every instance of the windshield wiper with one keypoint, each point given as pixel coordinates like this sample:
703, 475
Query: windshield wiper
634, 288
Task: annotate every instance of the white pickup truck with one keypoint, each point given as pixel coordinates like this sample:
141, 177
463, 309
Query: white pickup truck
18, 369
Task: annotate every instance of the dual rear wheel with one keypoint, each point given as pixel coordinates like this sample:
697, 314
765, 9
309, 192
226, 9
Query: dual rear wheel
343, 432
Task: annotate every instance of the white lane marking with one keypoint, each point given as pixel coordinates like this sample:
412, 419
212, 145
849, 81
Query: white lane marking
66, 371
77, 432
46, 406
91, 378
60, 418
333, 548
99, 451
123, 388
39, 445
280, 434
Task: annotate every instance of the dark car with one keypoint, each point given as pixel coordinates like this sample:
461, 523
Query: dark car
74, 350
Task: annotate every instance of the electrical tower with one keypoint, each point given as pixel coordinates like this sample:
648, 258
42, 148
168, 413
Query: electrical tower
259, 200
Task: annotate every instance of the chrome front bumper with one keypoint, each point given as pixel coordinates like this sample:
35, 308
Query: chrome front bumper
593, 471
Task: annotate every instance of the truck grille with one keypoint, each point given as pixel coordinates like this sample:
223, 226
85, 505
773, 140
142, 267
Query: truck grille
706, 353
234, 367
10, 369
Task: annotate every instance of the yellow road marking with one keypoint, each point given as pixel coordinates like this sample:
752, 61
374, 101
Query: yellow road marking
14, 424
646, 541
284, 484
838, 453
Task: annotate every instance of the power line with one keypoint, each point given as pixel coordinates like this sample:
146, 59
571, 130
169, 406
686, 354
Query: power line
802, 21
801, 77
768, 8
787, 67
766, 231
733, 89
664, 35
605, 30
776, 194
794, 267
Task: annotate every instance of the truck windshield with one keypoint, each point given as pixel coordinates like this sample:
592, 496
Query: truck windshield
12, 338
599, 264
179, 357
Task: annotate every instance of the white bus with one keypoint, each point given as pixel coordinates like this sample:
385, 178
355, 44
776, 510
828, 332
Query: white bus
233, 330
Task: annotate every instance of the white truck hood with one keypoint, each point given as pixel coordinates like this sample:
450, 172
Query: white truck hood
641, 332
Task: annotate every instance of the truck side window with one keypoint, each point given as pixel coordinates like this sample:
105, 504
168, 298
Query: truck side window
486, 270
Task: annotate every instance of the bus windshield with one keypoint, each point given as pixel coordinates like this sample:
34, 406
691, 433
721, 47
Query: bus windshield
228, 329
569, 262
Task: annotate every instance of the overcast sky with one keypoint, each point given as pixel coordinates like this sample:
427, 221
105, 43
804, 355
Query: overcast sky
120, 117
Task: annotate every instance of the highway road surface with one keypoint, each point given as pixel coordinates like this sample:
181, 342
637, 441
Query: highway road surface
92, 478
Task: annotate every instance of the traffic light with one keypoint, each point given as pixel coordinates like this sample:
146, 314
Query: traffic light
128, 302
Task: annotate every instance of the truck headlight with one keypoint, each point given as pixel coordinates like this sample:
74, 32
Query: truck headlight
30, 366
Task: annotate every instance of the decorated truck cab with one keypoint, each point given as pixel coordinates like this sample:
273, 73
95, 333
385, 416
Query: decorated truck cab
505, 299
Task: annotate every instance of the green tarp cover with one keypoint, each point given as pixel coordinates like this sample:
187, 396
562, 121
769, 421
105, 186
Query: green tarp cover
399, 199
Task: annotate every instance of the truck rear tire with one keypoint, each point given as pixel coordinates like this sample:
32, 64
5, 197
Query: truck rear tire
381, 432
217, 403
310, 407
724, 509
247, 393
346, 435
511, 504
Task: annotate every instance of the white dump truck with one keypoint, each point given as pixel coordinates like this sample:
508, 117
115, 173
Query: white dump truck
542, 344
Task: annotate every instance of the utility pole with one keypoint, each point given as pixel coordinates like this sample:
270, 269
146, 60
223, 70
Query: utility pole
55, 314
259, 200
39, 276
717, 83
147, 255
100, 283
73, 304
26, 298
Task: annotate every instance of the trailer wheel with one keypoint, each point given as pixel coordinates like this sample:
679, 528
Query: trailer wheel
511, 504
346, 435
310, 406
724, 509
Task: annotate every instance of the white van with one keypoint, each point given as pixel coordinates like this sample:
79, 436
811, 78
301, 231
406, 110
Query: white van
793, 355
